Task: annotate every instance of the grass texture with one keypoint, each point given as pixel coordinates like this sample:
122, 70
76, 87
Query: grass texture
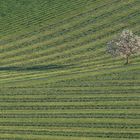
56, 80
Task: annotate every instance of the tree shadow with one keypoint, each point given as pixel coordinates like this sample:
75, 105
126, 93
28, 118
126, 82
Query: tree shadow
34, 68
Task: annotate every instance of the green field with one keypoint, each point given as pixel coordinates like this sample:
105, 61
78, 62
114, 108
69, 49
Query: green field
56, 80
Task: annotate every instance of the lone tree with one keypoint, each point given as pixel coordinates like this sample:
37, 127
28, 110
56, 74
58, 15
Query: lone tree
124, 45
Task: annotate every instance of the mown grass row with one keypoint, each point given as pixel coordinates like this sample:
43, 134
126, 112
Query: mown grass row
72, 115
81, 99
85, 125
73, 133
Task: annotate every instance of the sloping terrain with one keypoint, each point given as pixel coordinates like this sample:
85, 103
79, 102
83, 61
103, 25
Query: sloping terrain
56, 80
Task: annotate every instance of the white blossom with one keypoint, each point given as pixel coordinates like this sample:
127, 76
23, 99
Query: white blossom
125, 44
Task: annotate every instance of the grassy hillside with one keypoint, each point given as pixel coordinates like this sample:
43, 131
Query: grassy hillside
56, 81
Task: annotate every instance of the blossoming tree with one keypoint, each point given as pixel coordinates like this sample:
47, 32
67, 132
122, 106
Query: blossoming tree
124, 45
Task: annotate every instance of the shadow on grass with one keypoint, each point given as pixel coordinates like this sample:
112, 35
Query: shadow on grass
33, 68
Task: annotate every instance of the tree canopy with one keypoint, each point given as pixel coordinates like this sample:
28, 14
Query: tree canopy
124, 45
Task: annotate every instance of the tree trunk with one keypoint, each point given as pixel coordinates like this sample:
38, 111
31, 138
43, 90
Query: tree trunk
127, 60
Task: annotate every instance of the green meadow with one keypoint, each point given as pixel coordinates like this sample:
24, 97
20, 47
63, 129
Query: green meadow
56, 80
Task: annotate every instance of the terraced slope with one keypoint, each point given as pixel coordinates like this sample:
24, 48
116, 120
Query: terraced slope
56, 81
